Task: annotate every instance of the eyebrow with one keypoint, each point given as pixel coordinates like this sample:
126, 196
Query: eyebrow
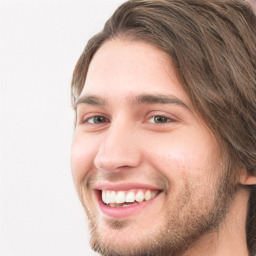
159, 99
138, 100
90, 100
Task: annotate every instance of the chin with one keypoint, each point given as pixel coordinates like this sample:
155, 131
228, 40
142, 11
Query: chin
121, 238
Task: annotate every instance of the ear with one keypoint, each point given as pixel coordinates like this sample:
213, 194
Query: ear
247, 178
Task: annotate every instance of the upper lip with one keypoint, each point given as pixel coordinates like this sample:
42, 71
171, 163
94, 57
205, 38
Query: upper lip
123, 186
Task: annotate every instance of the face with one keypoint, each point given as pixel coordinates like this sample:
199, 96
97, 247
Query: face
148, 171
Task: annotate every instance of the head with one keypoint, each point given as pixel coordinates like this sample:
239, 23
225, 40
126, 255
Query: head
198, 146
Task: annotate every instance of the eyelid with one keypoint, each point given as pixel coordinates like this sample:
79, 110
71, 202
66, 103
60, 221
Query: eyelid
91, 117
162, 114
168, 119
84, 118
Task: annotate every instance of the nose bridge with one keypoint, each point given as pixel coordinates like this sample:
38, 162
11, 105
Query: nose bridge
118, 147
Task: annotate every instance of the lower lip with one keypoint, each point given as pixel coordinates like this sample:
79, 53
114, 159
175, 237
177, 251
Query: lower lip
122, 212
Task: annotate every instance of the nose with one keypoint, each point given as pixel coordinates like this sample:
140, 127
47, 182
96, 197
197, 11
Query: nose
118, 149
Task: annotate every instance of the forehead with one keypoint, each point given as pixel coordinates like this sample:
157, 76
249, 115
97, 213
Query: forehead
122, 69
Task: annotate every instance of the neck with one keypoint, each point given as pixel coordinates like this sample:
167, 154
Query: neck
230, 238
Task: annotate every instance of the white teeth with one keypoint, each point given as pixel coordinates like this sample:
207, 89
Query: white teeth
127, 205
140, 197
104, 196
130, 197
120, 197
107, 197
112, 197
148, 195
153, 194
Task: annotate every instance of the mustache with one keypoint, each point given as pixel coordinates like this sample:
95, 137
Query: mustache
155, 179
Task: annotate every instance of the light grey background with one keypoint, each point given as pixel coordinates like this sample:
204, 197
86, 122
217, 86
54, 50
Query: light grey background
40, 44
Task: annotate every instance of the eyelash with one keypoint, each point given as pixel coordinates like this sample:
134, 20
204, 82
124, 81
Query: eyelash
86, 120
165, 119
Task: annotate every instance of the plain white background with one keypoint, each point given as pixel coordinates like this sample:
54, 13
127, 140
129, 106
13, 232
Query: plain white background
40, 44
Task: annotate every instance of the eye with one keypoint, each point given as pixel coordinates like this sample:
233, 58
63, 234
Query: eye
96, 120
160, 119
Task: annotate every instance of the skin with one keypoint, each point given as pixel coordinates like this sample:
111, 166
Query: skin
252, 3
199, 203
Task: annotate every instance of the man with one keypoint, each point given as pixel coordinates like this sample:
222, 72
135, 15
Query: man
164, 150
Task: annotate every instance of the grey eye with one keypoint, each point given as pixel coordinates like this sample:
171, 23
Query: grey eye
97, 120
159, 119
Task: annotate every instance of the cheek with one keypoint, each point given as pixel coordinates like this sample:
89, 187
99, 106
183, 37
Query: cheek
186, 153
82, 157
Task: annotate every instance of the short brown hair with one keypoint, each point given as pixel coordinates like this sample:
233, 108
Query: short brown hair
213, 46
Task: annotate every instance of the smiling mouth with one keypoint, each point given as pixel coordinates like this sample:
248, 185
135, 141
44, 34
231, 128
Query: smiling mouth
118, 199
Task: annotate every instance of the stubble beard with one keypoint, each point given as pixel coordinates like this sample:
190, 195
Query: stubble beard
184, 225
